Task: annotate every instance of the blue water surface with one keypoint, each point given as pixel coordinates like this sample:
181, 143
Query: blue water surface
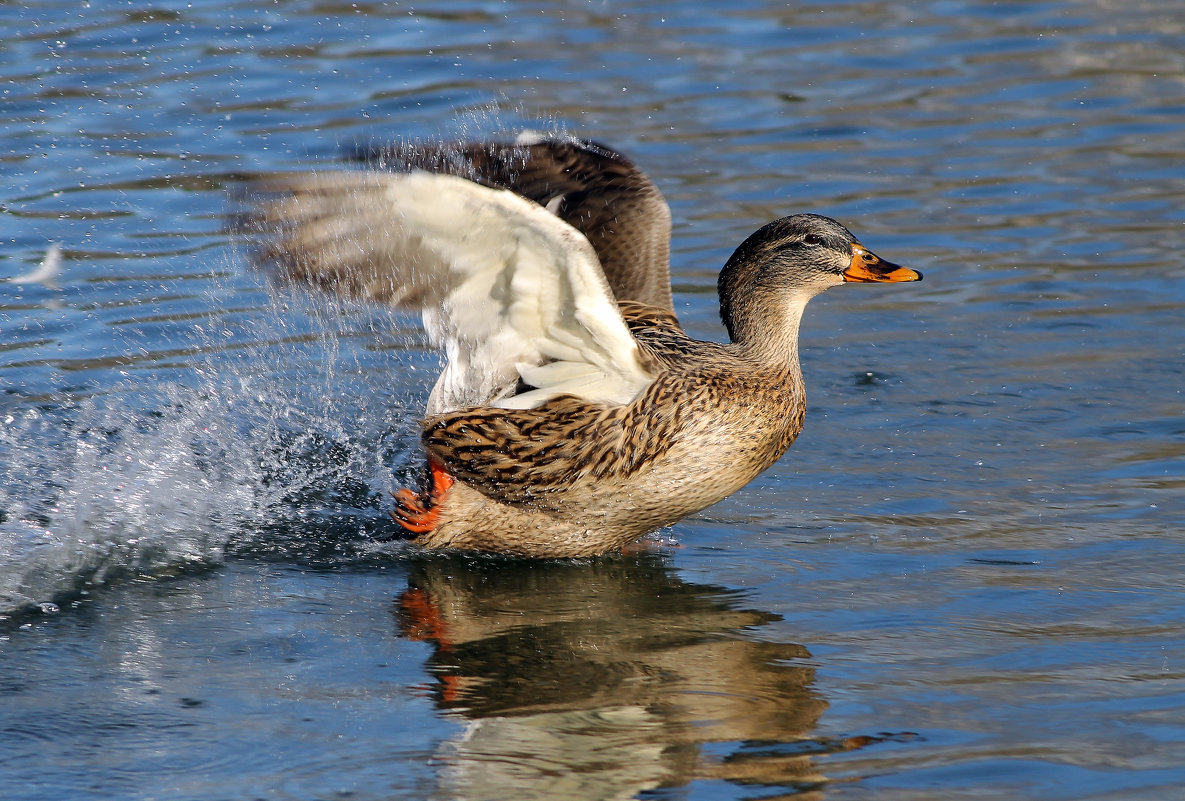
963, 581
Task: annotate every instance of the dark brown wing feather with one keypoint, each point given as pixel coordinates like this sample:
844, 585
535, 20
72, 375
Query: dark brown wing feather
594, 189
643, 318
521, 456
664, 343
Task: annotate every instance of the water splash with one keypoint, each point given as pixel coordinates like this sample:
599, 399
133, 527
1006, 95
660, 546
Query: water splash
284, 446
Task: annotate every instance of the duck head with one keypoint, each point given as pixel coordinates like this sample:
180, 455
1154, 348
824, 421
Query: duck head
771, 276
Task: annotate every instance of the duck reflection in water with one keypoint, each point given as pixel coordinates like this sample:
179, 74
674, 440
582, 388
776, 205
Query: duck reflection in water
605, 679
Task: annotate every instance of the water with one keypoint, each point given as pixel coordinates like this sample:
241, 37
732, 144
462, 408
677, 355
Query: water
963, 581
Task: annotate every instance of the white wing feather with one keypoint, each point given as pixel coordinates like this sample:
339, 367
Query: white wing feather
508, 289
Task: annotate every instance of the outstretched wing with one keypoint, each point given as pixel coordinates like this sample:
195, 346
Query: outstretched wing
515, 295
596, 190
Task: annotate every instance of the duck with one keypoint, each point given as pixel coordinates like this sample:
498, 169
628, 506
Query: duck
573, 415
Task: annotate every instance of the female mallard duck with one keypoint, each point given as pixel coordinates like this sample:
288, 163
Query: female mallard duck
573, 414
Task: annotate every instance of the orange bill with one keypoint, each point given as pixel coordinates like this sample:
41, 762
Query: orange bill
867, 268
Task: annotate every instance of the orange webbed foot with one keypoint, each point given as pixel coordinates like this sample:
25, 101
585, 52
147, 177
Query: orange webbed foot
420, 512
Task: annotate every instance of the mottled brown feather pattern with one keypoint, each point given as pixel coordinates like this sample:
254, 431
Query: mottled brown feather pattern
525, 456
662, 340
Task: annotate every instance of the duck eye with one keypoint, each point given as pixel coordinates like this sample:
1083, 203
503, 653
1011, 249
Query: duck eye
812, 239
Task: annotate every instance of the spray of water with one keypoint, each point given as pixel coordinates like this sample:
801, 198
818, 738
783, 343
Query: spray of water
274, 425
285, 442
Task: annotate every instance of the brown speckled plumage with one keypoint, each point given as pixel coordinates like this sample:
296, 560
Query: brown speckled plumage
578, 477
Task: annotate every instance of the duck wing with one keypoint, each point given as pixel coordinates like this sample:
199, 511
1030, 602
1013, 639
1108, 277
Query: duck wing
596, 190
525, 455
514, 295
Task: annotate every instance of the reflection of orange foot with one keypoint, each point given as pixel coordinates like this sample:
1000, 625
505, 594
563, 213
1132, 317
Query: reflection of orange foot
420, 620
420, 512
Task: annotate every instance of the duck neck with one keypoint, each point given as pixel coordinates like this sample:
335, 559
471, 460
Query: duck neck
767, 331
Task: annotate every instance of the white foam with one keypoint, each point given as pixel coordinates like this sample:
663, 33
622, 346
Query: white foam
155, 476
